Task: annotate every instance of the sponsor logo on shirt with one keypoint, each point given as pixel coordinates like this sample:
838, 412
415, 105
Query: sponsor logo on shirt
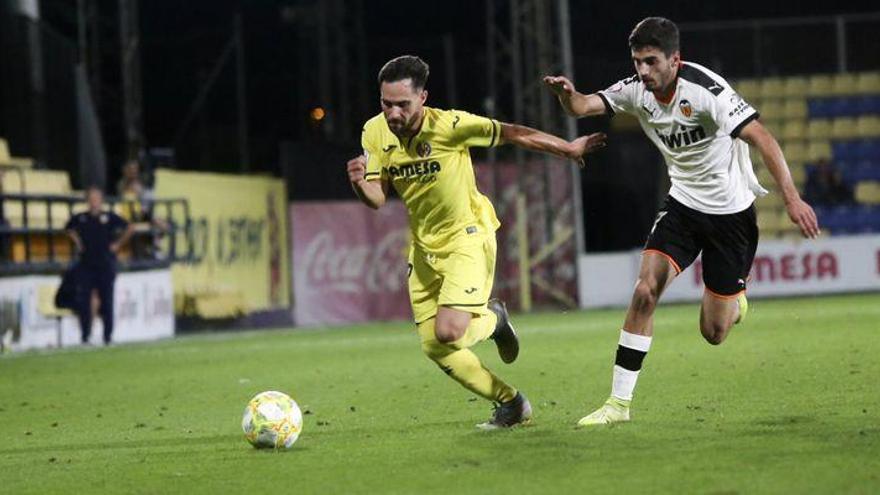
685, 137
422, 172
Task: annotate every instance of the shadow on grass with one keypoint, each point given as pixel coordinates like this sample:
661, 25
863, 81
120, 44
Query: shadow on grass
184, 441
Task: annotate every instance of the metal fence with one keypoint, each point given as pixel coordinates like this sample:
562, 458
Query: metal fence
163, 233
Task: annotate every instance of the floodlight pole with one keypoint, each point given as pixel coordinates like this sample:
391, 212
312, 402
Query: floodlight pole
130, 64
241, 96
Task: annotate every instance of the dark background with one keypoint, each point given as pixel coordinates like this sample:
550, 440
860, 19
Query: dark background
181, 41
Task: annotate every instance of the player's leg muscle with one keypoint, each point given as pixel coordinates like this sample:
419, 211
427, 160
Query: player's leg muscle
655, 274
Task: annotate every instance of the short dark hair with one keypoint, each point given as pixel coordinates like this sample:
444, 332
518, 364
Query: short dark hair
658, 32
405, 67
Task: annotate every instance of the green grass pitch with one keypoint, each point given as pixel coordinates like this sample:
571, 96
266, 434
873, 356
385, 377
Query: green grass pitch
789, 404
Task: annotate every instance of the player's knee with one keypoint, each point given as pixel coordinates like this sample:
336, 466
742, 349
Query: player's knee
645, 296
714, 332
449, 331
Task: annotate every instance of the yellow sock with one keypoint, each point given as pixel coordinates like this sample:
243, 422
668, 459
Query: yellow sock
463, 365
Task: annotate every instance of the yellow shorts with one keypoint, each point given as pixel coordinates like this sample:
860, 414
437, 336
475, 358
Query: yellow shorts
461, 279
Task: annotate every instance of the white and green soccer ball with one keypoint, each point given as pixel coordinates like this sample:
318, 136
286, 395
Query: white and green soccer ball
272, 420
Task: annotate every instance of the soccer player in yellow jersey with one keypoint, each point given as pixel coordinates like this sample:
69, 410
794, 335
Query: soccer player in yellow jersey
424, 154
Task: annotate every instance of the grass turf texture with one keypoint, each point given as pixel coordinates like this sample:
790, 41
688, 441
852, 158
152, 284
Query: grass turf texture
789, 404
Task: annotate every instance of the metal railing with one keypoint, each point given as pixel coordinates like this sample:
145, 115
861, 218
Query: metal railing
164, 232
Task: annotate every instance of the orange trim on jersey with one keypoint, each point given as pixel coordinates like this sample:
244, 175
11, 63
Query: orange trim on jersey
668, 258
722, 296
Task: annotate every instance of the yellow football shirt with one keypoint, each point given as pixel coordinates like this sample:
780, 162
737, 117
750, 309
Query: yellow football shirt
433, 174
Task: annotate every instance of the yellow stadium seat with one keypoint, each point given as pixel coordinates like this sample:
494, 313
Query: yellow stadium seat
771, 87
775, 126
844, 128
37, 182
748, 89
769, 222
868, 192
798, 173
818, 129
37, 214
868, 83
757, 159
795, 152
795, 87
4, 152
794, 129
843, 84
7, 159
818, 150
771, 109
868, 126
795, 108
765, 177
785, 223
819, 85
770, 201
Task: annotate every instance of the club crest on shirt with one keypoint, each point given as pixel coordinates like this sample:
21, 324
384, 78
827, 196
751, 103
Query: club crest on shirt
105, 218
686, 108
423, 149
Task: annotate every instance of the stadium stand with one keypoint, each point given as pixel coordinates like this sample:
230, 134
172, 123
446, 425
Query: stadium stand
36, 205
822, 117
14, 161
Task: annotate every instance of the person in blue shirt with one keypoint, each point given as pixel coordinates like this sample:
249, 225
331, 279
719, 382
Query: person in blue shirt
98, 235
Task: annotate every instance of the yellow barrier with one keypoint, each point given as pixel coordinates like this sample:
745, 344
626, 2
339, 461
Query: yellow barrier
240, 237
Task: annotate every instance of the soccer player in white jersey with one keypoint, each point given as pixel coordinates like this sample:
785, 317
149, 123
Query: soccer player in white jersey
702, 127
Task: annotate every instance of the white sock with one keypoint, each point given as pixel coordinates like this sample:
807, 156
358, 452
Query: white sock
631, 350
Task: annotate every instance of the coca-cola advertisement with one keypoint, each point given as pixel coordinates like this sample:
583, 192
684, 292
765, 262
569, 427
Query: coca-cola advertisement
349, 262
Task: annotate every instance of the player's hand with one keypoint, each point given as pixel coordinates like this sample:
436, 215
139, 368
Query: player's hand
585, 145
357, 169
803, 215
560, 85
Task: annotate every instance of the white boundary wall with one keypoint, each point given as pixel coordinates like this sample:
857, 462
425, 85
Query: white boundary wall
144, 310
781, 268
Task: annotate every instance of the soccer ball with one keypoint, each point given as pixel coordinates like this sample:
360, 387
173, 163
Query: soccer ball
272, 420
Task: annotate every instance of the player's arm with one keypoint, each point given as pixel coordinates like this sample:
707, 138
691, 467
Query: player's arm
574, 103
799, 211
76, 239
372, 193
72, 233
125, 237
535, 140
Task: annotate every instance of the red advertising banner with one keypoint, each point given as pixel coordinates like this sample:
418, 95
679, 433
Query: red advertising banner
349, 262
